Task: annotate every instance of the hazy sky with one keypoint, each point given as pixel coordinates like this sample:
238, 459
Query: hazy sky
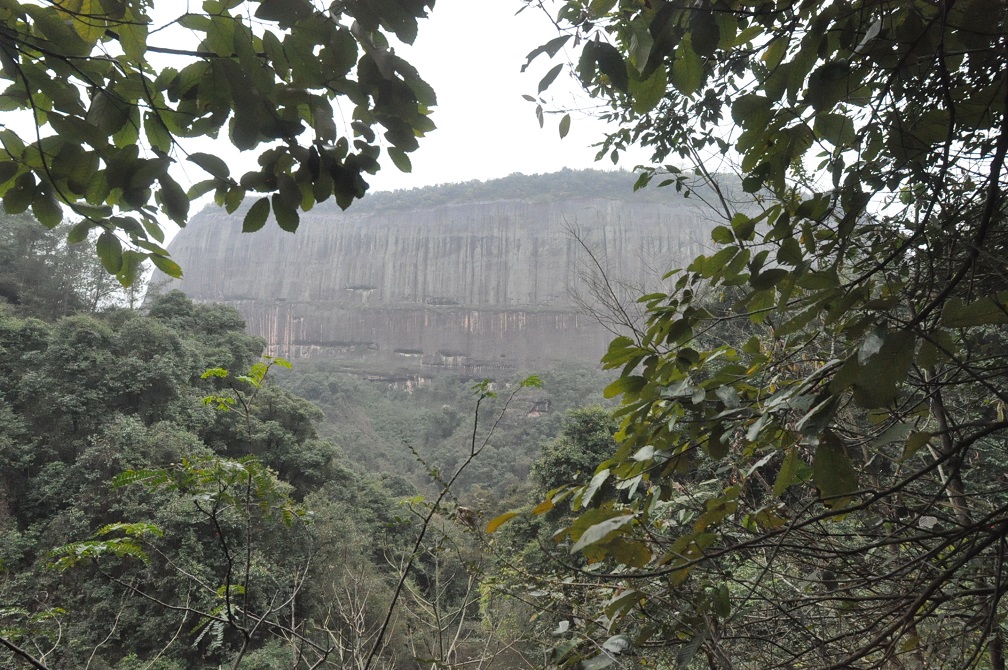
471, 52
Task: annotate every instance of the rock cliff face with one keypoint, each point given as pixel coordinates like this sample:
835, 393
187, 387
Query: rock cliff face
484, 286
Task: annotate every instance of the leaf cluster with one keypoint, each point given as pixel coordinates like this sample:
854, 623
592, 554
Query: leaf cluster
110, 128
807, 413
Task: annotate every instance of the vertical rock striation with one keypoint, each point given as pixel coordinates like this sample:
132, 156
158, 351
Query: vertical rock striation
482, 285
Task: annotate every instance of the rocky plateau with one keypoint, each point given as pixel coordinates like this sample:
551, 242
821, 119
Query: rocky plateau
485, 280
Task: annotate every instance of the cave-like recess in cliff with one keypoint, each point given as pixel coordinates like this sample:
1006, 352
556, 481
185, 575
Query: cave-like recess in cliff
480, 277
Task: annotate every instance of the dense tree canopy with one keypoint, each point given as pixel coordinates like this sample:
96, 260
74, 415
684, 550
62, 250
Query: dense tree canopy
123, 568
813, 419
163, 503
112, 92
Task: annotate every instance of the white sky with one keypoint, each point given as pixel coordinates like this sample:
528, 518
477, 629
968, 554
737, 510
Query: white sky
471, 52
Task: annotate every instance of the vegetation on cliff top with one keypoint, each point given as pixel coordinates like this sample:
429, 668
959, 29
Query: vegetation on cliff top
564, 185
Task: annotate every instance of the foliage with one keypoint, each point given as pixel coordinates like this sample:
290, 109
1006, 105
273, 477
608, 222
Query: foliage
90, 396
46, 277
822, 491
586, 441
202, 552
114, 89
482, 391
374, 419
253, 524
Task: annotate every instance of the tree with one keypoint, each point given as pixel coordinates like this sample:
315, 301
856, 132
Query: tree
585, 442
113, 92
89, 396
45, 277
826, 490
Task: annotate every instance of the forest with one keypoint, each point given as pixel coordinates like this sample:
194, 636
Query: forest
145, 450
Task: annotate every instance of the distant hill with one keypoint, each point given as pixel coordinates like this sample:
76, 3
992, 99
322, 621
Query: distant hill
483, 277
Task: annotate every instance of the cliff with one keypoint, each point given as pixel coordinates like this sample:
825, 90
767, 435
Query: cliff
480, 285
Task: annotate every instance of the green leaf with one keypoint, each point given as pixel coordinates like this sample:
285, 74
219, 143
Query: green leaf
717, 444
722, 235
551, 49
752, 111
400, 159
289, 191
594, 485
257, 215
565, 123
836, 129
915, 442
878, 379
828, 85
633, 553
133, 36
20, 197
600, 531
649, 92
285, 12
788, 471
610, 63
79, 232
132, 267
86, 17
768, 279
234, 198
630, 384
820, 415
110, 252
599, 8
531, 382
201, 188
989, 310
7, 171
55, 28
214, 165
686, 653
12, 143
722, 601
173, 199
545, 82
687, 69
157, 135
166, 265
706, 33
832, 471
245, 130
46, 208
286, 216
743, 226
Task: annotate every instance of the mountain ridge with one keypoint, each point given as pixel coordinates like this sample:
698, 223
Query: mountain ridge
480, 285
